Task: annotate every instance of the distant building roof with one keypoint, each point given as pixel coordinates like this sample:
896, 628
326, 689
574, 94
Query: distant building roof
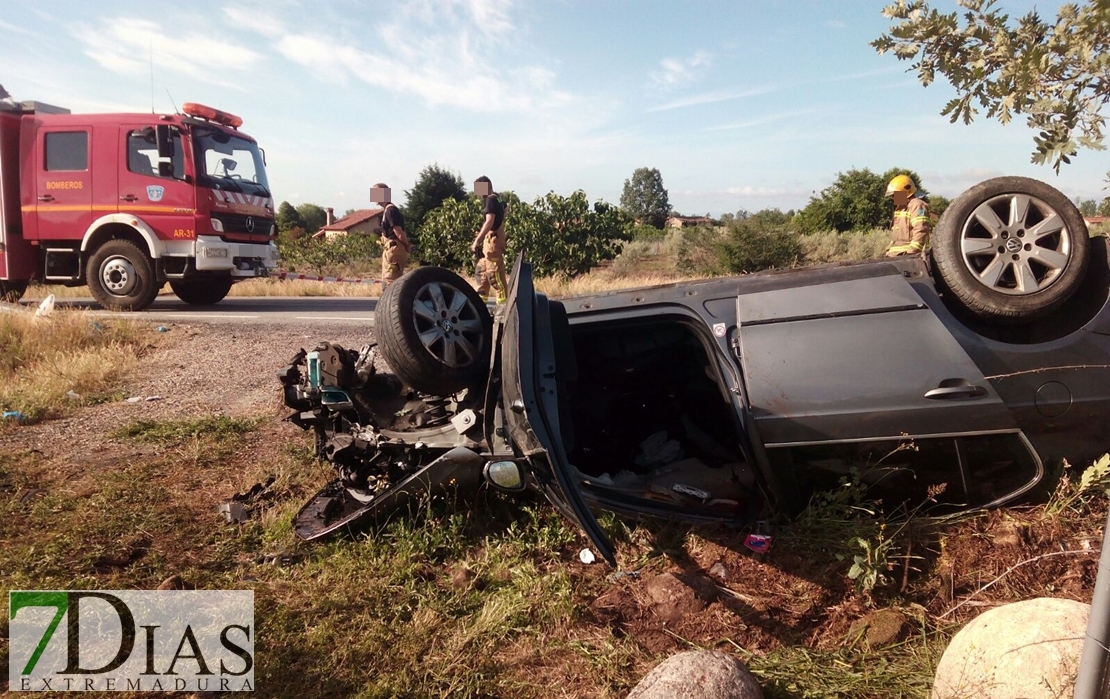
681, 221
348, 222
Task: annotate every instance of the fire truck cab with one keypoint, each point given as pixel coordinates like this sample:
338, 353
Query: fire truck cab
127, 202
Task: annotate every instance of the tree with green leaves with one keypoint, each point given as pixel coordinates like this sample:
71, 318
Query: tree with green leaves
313, 216
1056, 73
562, 235
857, 200
433, 186
566, 236
287, 218
644, 197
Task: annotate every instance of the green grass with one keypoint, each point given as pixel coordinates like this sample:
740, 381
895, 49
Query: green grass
465, 595
218, 428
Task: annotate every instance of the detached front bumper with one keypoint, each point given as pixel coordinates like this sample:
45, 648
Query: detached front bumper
241, 259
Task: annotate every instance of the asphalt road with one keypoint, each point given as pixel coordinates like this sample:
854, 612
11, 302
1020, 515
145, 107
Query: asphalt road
251, 309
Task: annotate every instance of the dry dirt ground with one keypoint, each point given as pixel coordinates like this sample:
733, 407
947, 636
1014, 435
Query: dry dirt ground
700, 591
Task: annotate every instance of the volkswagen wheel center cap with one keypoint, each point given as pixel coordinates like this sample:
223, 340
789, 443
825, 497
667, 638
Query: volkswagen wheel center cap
1013, 244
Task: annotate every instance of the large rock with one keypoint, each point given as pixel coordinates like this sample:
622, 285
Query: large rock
1024, 650
698, 674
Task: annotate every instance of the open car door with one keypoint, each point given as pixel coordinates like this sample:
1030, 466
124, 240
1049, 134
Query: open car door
530, 395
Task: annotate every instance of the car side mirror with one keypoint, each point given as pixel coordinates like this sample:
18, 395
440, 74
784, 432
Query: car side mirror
165, 142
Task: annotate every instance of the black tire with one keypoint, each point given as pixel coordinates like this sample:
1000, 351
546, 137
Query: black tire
12, 291
121, 277
1011, 249
434, 331
201, 291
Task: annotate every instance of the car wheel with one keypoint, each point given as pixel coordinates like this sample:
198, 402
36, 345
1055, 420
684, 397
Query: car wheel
201, 291
434, 331
121, 277
11, 292
1011, 248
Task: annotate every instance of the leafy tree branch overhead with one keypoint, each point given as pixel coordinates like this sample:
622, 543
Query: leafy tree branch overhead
1055, 73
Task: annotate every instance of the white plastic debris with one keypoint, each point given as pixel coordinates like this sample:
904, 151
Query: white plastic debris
587, 556
45, 308
234, 512
151, 399
135, 399
73, 395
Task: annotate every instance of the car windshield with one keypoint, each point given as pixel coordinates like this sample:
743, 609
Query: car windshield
227, 161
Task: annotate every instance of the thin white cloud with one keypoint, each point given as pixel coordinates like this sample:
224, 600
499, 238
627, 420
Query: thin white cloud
127, 45
447, 54
726, 95
6, 26
673, 72
836, 24
768, 119
711, 97
743, 191
265, 24
862, 75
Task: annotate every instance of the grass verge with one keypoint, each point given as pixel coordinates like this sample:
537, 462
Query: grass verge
50, 365
477, 595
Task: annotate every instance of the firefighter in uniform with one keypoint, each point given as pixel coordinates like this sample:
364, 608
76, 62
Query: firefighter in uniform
395, 244
912, 222
491, 241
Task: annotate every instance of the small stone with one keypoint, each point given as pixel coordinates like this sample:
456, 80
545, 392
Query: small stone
135, 399
151, 399
673, 598
879, 628
587, 556
162, 329
698, 674
73, 395
719, 571
461, 577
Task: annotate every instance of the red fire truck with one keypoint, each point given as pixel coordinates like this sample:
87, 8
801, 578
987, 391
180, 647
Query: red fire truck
127, 202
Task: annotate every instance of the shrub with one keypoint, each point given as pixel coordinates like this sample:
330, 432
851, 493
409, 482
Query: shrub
750, 247
343, 255
830, 246
563, 235
696, 250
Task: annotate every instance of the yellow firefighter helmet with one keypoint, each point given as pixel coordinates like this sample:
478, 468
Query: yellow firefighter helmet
901, 183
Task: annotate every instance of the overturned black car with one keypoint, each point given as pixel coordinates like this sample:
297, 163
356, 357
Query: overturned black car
963, 374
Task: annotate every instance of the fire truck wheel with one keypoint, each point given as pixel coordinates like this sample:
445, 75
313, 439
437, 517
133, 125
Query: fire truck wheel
11, 292
203, 291
121, 277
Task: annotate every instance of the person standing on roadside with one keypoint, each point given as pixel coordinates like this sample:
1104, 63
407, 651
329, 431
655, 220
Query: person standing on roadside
395, 243
491, 242
912, 223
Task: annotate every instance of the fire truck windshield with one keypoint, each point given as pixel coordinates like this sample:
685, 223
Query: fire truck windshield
227, 161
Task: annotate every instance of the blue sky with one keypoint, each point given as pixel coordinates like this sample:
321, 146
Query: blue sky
741, 104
